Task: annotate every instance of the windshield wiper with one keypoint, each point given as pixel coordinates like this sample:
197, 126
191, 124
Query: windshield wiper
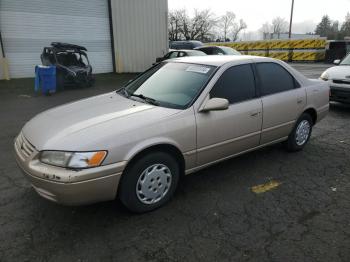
145, 98
149, 100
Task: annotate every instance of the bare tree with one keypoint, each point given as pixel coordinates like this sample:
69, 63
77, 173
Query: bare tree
279, 25
196, 28
199, 27
266, 30
237, 28
226, 22
185, 22
175, 25
196, 24
202, 25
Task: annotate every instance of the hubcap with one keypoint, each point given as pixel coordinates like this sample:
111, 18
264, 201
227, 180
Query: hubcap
302, 133
153, 184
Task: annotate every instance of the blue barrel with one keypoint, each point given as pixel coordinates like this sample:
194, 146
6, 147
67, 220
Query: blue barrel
45, 78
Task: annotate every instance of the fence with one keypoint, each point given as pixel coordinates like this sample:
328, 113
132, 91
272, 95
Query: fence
289, 50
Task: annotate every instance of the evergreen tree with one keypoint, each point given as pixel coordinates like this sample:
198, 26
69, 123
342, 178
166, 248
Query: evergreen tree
324, 27
328, 28
345, 28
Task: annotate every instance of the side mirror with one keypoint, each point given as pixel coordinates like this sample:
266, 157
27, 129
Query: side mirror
215, 104
336, 62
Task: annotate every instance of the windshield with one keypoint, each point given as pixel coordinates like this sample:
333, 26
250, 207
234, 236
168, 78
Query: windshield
346, 60
173, 85
230, 51
72, 59
196, 53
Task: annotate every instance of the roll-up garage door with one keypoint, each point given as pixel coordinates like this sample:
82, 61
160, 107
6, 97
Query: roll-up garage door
29, 25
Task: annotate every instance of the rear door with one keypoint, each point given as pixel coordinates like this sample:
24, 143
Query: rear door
282, 100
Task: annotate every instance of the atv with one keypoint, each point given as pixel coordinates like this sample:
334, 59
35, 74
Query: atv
72, 64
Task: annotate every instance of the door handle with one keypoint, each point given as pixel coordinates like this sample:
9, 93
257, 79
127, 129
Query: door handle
300, 100
254, 113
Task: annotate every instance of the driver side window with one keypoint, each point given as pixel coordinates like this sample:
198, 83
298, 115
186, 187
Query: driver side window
236, 84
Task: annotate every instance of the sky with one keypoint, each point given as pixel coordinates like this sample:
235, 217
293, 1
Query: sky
307, 13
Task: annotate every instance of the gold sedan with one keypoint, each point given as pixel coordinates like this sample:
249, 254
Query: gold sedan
177, 117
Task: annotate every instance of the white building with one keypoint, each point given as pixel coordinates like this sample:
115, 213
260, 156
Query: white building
120, 35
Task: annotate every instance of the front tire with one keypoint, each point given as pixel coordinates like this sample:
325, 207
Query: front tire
149, 182
60, 80
300, 134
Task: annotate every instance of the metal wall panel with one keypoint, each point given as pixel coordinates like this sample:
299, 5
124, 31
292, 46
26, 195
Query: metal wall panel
1, 64
140, 33
29, 25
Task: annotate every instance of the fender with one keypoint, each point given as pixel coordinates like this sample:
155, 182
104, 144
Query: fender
139, 147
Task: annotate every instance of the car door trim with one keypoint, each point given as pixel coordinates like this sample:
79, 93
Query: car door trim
202, 149
195, 169
278, 126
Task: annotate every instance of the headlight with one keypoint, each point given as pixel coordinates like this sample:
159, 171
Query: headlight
324, 76
73, 159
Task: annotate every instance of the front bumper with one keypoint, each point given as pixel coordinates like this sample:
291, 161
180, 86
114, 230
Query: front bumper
66, 186
340, 93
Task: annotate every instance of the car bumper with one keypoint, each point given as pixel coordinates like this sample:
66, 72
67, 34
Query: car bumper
339, 93
65, 186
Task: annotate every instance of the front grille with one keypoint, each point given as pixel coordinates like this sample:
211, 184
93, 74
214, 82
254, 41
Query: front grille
24, 147
343, 82
336, 94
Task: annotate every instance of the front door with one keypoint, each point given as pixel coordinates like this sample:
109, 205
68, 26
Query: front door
221, 134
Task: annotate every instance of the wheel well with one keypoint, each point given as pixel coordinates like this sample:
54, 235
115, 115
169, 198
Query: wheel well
312, 112
166, 148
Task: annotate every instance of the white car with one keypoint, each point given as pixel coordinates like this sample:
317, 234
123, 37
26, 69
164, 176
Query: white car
339, 80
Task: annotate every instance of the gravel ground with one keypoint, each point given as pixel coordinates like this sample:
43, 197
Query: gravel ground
214, 216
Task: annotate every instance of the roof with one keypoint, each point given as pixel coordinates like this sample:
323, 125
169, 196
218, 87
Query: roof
218, 60
187, 41
206, 46
60, 45
188, 51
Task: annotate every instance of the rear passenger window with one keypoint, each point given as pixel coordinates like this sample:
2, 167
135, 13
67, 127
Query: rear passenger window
236, 84
274, 78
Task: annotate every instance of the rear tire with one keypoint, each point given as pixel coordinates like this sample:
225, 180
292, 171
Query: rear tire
149, 182
300, 134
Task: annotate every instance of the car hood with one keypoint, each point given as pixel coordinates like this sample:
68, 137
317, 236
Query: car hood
339, 72
81, 125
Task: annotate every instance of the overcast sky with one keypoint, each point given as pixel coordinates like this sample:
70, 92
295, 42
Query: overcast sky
307, 13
